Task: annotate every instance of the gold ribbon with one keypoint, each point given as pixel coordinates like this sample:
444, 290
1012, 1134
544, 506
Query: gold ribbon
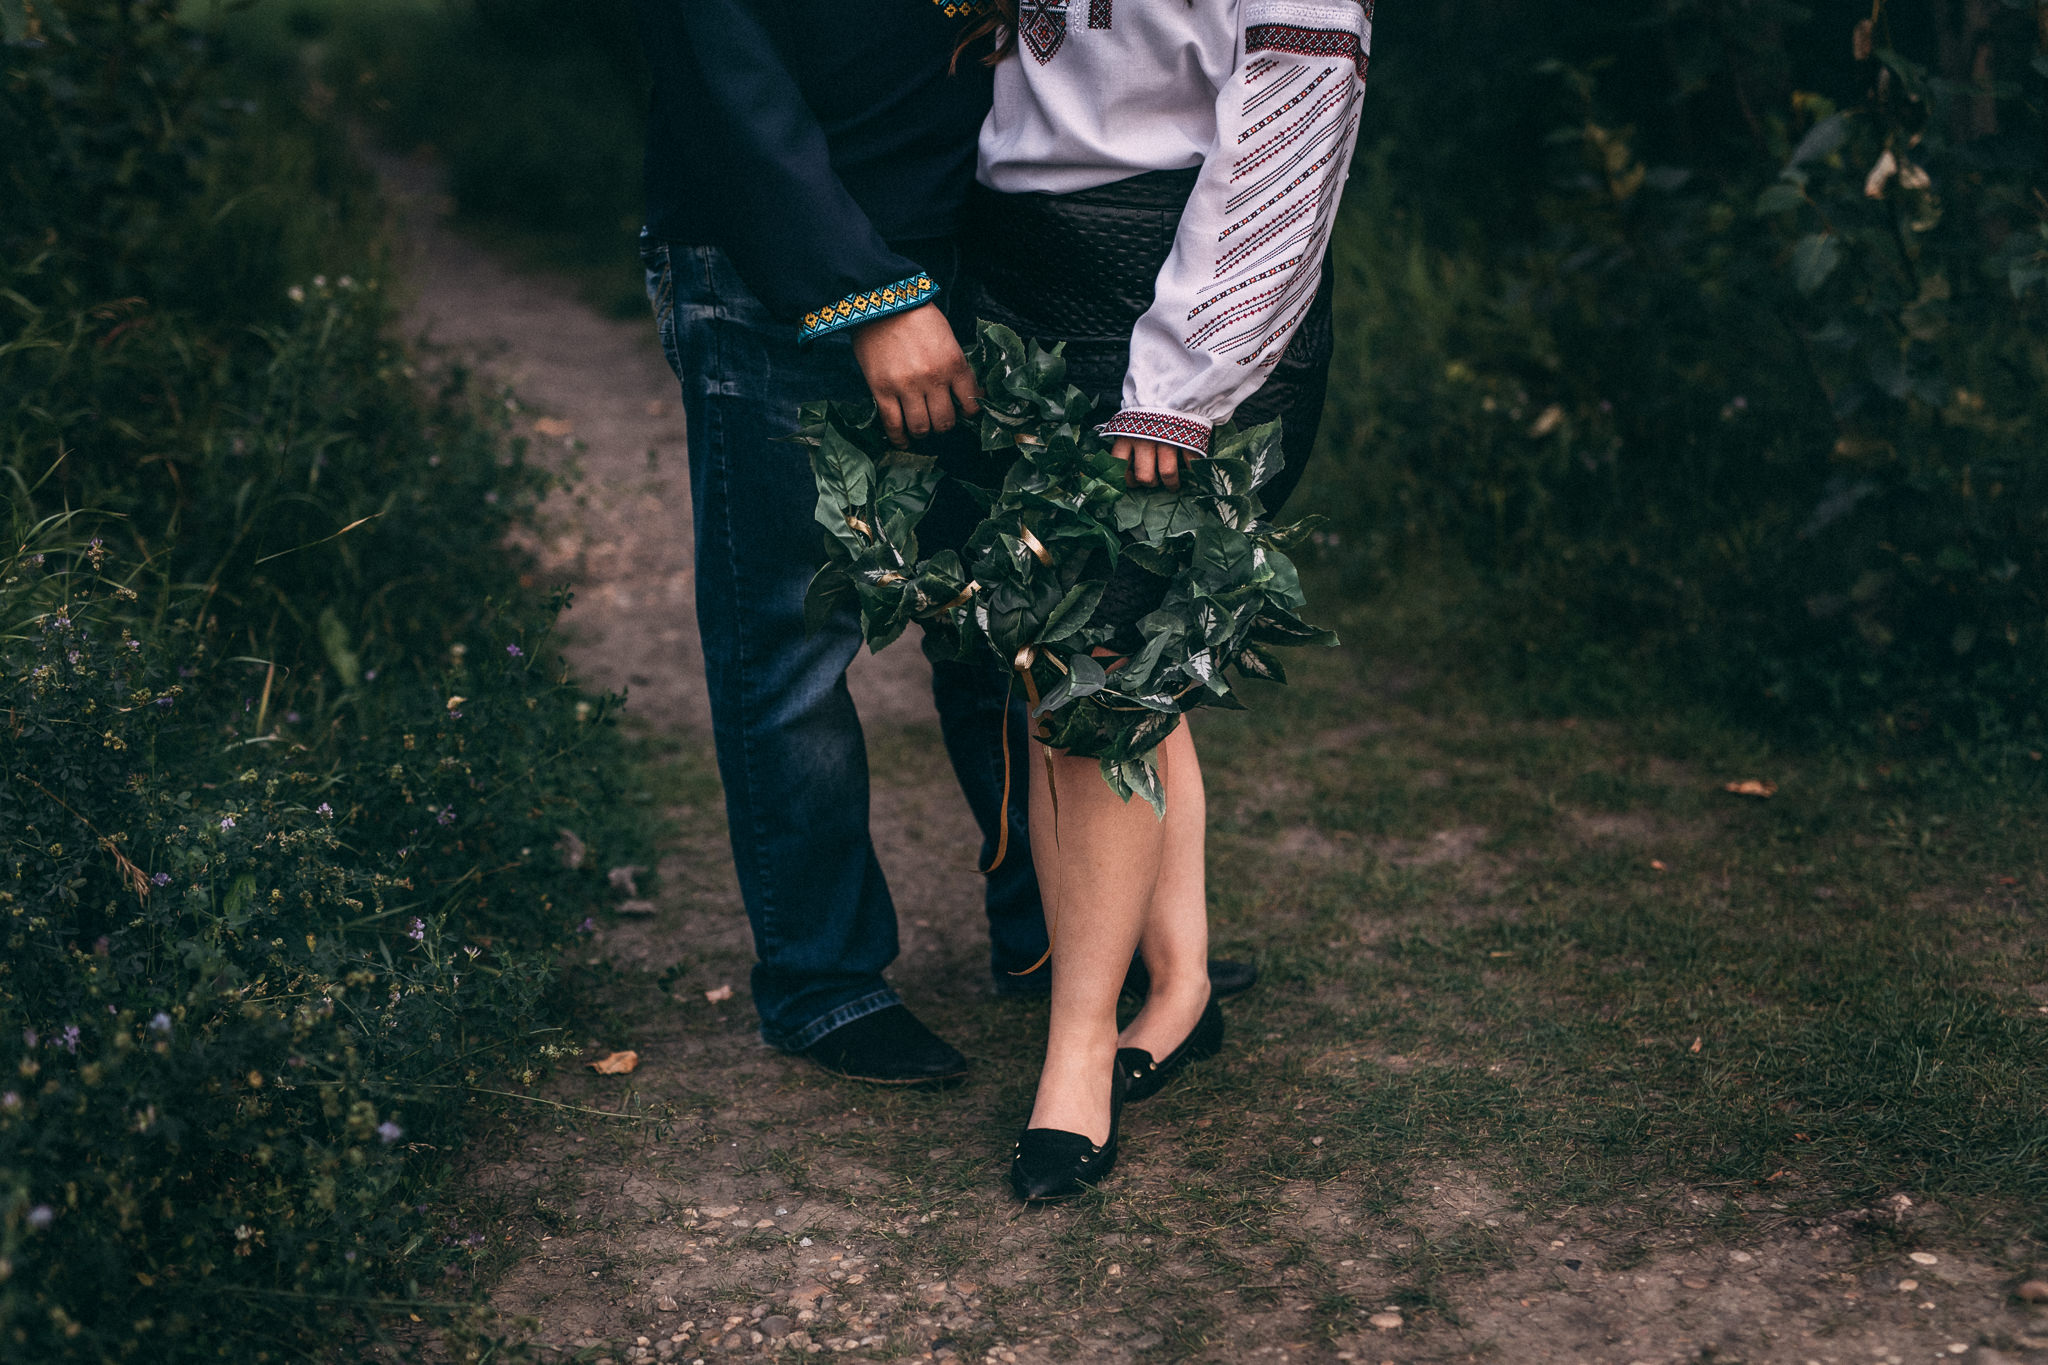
965, 593
1032, 543
1022, 663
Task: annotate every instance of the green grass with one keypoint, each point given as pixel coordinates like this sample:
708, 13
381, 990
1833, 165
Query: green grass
1475, 977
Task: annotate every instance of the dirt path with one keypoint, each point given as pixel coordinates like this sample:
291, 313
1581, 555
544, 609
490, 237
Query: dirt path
746, 1206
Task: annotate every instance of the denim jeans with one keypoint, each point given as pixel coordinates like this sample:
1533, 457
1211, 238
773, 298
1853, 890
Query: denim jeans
790, 750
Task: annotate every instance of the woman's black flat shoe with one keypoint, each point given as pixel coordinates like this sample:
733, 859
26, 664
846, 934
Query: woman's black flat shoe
1052, 1164
1145, 1078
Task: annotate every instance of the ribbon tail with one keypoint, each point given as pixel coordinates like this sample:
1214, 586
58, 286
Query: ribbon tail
1003, 838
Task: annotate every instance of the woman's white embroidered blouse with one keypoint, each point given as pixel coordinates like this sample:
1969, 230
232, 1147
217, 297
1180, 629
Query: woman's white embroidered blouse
1264, 96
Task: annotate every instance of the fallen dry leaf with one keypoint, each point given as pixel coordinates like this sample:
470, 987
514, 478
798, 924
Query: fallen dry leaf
1696, 1043
1658, 865
636, 909
1751, 786
615, 1063
726, 1212
552, 426
718, 993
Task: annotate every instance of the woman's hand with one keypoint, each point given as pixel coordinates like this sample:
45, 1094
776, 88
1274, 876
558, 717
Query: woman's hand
916, 372
1150, 464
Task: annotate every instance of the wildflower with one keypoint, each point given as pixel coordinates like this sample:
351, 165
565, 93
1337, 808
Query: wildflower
135, 644
369, 675
447, 816
61, 621
491, 498
319, 281
227, 822
515, 651
165, 701
297, 293
346, 282
160, 879
348, 1256
324, 811
418, 932
29, 1038
589, 926
96, 552
41, 1216
291, 718
389, 1132
10, 1101
68, 1040
160, 1022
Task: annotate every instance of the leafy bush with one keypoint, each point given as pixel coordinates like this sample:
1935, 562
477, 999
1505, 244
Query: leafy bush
1760, 392
288, 753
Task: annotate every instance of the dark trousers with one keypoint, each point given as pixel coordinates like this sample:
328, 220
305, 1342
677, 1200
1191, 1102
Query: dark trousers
790, 750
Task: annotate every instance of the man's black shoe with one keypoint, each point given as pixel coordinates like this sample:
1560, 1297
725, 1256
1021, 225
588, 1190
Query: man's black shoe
889, 1047
1226, 978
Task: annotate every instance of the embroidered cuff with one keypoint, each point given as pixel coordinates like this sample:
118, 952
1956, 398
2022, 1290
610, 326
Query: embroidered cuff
1189, 433
908, 292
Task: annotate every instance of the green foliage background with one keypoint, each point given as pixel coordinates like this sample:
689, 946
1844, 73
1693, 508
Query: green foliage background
1626, 345
286, 751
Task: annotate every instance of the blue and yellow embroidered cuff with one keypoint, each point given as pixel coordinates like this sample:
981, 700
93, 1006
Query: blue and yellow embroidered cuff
909, 292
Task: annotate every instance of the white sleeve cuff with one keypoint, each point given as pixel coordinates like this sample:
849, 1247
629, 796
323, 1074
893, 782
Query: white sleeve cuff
1168, 428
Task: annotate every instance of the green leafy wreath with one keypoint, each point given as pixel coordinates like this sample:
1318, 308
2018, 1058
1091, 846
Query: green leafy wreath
1032, 575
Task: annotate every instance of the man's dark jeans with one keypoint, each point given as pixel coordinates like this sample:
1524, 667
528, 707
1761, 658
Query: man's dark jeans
790, 749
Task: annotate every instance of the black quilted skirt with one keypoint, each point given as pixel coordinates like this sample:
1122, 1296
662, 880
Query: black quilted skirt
1080, 268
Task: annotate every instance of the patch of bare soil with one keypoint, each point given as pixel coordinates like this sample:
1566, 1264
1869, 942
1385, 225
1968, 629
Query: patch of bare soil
726, 1202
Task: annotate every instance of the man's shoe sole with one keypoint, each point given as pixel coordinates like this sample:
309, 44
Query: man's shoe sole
944, 1082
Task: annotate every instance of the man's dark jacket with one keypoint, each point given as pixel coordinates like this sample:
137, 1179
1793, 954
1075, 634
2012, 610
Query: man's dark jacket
820, 143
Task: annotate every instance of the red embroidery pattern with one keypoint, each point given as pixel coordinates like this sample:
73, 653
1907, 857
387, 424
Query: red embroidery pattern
1185, 432
1308, 42
1042, 24
1098, 13
1258, 156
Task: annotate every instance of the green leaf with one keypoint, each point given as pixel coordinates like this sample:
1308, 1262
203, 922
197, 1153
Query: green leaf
334, 640
1084, 678
1075, 610
1822, 140
1779, 198
1814, 259
831, 591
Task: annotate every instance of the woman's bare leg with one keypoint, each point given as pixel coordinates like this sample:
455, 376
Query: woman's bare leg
1101, 869
1175, 938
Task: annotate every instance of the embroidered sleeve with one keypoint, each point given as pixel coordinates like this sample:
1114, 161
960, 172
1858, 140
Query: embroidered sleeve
1172, 428
867, 305
1247, 260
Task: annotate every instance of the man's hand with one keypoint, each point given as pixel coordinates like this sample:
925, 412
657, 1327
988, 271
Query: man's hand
1150, 464
916, 372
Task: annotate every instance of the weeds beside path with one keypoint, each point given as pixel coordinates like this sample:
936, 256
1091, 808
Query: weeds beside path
1563, 1053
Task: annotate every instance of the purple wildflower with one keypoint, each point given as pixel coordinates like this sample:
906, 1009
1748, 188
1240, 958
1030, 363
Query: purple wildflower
418, 932
160, 1022
291, 718
227, 822
10, 1101
68, 1040
135, 644
324, 811
41, 1216
446, 817
515, 651
369, 675
160, 879
389, 1132
165, 701
348, 1256
589, 926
